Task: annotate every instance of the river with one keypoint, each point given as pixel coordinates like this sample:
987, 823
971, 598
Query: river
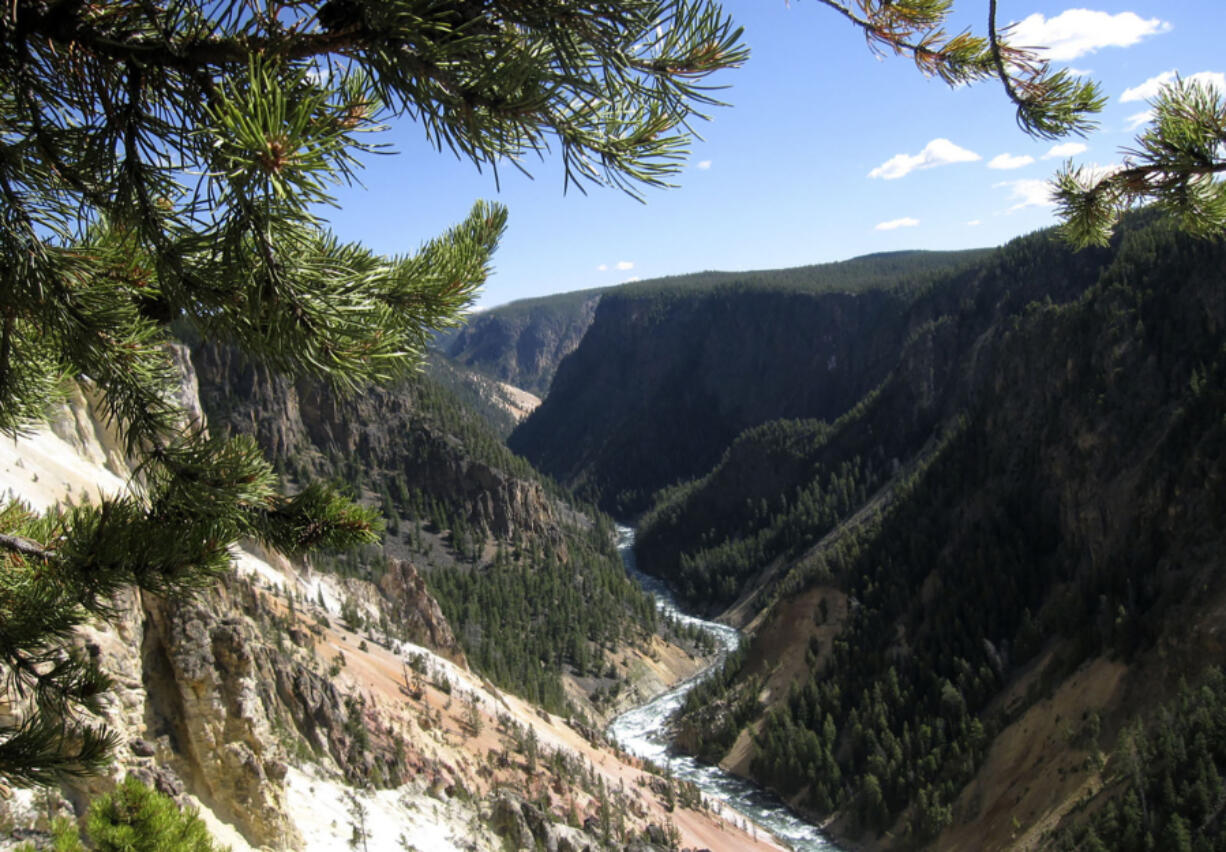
643, 732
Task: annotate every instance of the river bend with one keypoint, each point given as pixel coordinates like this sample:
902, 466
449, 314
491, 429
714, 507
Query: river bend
643, 732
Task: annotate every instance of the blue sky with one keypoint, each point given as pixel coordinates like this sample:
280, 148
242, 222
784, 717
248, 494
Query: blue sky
827, 152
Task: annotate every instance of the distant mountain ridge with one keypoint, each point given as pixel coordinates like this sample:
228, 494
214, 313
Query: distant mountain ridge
672, 370
523, 342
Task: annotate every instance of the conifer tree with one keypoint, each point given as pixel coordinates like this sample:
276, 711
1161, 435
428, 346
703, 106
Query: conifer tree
134, 818
162, 165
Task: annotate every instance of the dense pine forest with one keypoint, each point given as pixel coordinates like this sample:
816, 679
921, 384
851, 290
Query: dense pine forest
1031, 481
725, 350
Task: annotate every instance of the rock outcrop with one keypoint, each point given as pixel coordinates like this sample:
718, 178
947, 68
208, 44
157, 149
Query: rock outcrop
523, 343
408, 603
404, 432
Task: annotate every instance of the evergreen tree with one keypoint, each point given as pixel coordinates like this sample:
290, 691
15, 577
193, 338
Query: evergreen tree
1176, 163
160, 166
135, 818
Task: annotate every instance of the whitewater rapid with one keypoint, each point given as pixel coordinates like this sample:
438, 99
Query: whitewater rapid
643, 731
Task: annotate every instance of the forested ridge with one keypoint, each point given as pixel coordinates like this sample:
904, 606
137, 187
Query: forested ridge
528, 578
1062, 504
725, 350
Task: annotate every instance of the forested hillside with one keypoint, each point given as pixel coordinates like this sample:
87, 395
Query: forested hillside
523, 342
971, 517
1031, 498
530, 584
672, 370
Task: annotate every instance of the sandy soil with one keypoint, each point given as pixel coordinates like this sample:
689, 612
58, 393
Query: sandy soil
518, 401
1021, 791
43, 469
445, 739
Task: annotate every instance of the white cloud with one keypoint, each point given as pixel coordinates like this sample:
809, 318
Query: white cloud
631, 279
621, 266
905, 222
703, 164
1065, 149
1076, 32
1150, 88
1079, 72
1028, 193
974, 222
1095, 172
1009, 161
938, 152
1138, 118
1216, 79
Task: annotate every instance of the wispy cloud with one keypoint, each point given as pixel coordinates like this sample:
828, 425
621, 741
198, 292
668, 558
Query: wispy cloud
703, 164
1028, 193
1010, 161
1150, 88
620, 266
938, 152
1065, 149
974, 222
1076, 32
1138, 118
894, 224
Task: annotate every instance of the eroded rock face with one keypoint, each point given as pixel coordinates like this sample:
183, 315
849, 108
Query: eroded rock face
524, 343
525, 826
209, 683
408, 603
389, 432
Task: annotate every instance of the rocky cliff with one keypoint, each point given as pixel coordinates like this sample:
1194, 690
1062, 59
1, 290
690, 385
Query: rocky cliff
259, 703
413, 432
663, 382
523, 343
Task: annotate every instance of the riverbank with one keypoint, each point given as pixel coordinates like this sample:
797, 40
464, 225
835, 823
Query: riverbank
644, 732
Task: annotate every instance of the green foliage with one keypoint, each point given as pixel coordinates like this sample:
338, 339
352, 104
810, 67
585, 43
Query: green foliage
64, 838
473, 390
774, 518
1049, 103
972, 566
715, 711
135, 818
527, 617
671, 371
1176, 164
162, 164
1166, 779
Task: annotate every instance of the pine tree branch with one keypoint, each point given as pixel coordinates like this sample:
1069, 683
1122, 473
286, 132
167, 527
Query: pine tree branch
873, 31
998, 59
24, 547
